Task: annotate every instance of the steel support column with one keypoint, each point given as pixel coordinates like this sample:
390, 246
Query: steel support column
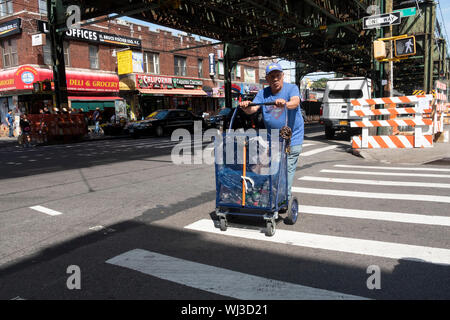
55, 11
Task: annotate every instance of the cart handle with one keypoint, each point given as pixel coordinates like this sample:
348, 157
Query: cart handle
257, 104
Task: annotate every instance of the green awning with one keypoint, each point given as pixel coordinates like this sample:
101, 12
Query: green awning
92, 105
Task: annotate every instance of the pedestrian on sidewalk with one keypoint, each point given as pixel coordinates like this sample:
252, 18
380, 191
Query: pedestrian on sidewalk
10, 121
96, 117
283, 95
25, 127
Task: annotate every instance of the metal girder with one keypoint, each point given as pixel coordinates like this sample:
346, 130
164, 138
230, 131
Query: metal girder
269, 27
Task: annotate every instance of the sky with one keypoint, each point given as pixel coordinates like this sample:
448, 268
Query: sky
442, 12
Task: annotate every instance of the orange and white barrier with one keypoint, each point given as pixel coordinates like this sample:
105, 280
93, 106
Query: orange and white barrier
439, 106
419, 140
391, 100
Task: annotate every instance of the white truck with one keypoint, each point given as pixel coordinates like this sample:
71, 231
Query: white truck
336, 104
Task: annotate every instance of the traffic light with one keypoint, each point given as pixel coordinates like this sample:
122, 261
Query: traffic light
379, 49
46, 86
405, 47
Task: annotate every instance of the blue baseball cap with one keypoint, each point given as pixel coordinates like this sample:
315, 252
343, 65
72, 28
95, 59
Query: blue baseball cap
272, 67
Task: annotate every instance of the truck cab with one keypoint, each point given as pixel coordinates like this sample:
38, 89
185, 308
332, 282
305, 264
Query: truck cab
336, 104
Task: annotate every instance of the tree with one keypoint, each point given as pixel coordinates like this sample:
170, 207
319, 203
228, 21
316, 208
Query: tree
319, 84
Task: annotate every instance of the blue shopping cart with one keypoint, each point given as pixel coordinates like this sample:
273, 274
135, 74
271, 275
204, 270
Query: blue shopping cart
249, 185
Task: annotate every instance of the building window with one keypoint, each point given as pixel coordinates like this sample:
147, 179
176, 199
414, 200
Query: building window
200, 68
42, 6
66, 53
9, 53
47, 51
249, 75
93, 57
151, 62
6, 7
180, 66
220, 68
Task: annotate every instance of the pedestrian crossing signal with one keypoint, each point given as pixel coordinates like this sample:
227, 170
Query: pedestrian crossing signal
405, 47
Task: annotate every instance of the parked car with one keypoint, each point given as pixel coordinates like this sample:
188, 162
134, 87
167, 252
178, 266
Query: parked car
217, 120
163, 122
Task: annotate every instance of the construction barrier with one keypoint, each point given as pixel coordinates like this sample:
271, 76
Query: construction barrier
51, 127
418, 140
439, 111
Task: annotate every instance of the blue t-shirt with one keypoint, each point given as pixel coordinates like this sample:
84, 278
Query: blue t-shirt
275, 118
10, 119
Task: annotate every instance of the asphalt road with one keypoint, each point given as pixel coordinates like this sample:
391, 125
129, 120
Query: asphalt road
136, 226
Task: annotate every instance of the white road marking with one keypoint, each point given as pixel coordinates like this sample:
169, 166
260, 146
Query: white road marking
307, 144
218, 280
372, 195
388, 173
340, 244
315, 151
46, 210
391, 168
312, 135
378, 182
378, 215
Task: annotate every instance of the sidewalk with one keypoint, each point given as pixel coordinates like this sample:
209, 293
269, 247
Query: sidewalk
412, 156
10, 142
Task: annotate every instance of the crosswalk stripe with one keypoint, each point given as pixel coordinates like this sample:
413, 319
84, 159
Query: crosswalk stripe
315, 151
400, 174
218, 280
391, 168
45, 210
333, 243
378, 182
377, 215
372, 195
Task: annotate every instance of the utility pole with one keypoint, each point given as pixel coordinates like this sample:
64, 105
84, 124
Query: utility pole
429, 25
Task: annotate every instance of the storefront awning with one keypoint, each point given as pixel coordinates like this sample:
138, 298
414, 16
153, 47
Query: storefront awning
74, 98
183, 92
23, 77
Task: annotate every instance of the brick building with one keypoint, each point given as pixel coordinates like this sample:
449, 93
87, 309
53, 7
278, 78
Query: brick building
158, 79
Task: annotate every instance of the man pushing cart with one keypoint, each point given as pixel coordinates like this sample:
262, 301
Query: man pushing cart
245, 188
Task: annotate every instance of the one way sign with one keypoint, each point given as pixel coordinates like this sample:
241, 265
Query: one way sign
382, 20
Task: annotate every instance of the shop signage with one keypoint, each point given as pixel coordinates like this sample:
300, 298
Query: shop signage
124, 62
95, 36
38, 39
186, 83
162, 82
9, 28
24, 77
153, 82
212, 64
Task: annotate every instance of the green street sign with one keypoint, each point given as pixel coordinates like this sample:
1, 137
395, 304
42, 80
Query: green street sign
407, 12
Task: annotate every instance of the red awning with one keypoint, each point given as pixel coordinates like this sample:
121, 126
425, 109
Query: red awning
183, 92
23, 77
74, 98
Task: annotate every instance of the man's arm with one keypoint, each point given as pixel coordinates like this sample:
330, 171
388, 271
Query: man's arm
248, 110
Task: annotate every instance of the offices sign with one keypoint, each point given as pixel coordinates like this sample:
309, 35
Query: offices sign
95, 36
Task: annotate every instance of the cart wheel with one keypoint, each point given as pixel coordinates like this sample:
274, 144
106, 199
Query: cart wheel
270, 228
292, 212
223, 224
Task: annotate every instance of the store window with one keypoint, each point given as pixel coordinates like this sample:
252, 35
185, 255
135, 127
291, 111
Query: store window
180, 66
6, 7
9, 53
200, 68
151, 62
93, 57
42, 6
